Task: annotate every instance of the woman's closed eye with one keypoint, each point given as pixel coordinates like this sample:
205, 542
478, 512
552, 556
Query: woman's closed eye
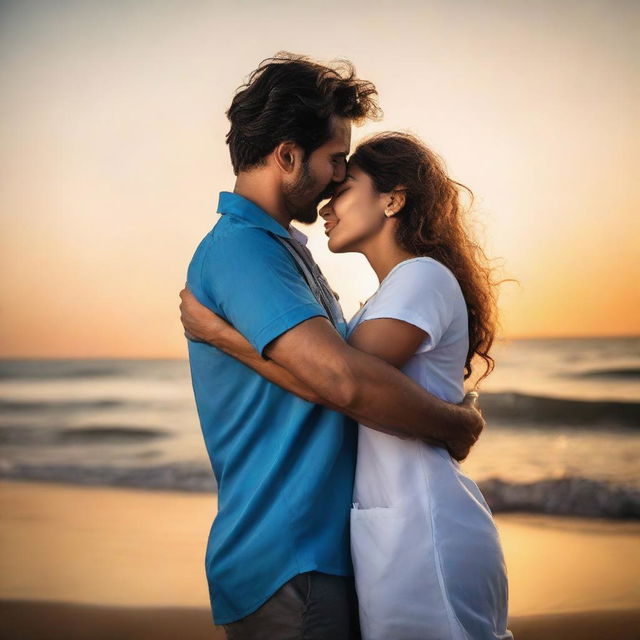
337, 194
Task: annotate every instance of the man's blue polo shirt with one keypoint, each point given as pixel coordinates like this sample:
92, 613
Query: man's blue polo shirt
284, 466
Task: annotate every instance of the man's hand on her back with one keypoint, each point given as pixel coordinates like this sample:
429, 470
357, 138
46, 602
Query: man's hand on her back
461, 446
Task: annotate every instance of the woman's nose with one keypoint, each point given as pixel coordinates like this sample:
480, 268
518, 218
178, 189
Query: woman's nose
326, 211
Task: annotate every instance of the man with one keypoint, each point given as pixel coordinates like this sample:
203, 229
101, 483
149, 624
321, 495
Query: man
278, 560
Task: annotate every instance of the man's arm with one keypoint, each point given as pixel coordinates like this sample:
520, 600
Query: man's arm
223, 336
201, 324
370, 390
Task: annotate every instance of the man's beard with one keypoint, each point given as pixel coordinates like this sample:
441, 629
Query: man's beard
298, 199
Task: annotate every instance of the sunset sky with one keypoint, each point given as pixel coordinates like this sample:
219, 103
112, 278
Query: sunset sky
112, 126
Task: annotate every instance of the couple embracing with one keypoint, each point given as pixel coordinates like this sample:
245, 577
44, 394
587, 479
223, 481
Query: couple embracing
342, 508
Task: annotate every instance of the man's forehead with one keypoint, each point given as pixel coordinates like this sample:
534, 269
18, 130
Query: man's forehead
341, 134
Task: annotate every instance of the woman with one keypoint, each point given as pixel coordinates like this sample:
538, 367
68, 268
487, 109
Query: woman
426, 553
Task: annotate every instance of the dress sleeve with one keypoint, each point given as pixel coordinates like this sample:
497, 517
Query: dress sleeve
419, 292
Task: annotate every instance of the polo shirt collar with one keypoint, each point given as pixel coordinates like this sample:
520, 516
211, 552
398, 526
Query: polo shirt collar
236, 205
296, 234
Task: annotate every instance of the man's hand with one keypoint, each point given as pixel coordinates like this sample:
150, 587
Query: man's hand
200, 324
459, 447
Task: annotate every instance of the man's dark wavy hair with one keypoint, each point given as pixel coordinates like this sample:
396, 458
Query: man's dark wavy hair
290, 98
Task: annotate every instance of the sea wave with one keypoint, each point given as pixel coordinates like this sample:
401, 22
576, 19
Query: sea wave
58, 369
88, 435
43, 370
170, 476
571, 496
540, 410
623, 372
44, 406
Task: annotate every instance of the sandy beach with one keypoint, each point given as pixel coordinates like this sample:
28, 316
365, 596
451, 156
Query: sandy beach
80, 562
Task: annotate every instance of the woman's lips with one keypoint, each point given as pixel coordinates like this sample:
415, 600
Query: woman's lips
328, 226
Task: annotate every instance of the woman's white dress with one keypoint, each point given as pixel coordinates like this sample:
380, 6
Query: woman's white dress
426, 553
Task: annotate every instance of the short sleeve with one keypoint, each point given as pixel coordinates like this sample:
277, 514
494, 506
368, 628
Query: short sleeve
256, 285
419, 292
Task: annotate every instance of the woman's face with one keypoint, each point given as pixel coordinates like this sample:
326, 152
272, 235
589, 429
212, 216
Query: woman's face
354, 214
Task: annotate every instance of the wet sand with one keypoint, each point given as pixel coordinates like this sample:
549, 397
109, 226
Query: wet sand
80, 562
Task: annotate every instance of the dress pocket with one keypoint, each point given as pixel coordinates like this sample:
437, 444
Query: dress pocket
399, 590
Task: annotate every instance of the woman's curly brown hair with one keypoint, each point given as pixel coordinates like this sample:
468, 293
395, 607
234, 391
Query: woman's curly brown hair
431, 223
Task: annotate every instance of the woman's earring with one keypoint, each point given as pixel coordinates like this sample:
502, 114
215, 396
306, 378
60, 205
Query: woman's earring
387, 212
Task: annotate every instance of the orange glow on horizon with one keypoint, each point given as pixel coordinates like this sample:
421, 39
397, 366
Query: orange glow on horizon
114, 154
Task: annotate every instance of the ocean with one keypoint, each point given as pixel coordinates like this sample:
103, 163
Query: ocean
562, 436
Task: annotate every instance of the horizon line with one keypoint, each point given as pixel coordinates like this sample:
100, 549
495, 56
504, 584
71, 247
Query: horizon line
185, 357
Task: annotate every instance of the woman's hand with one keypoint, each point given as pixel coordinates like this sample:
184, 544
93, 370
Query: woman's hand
200, 324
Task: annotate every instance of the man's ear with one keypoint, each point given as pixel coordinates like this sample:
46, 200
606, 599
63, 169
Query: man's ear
287, 156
